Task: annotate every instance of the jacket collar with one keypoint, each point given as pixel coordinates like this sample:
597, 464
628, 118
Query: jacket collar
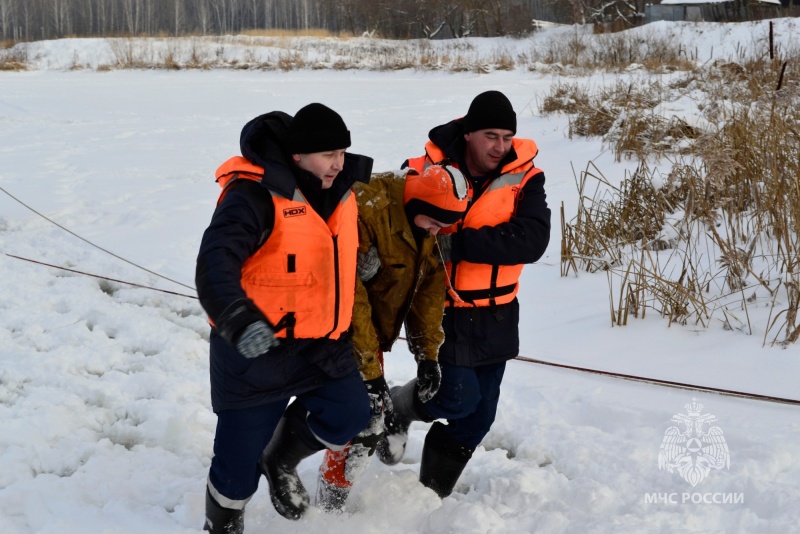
449, 138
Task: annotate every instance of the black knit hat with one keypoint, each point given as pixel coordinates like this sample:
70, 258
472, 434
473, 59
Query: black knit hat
317, 128
490, 110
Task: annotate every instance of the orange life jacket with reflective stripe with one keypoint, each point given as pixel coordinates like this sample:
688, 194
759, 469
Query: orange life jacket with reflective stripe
303, 277
483, 284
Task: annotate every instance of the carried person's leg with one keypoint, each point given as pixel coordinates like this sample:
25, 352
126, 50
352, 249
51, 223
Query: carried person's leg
407, 408
340, 469
326, 417
458, 395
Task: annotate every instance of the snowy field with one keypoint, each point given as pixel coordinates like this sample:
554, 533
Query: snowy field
105, 420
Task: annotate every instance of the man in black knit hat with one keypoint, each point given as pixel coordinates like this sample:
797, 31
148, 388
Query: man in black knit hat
276, 275
506, 226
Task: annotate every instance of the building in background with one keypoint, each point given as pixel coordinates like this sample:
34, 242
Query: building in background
713, 10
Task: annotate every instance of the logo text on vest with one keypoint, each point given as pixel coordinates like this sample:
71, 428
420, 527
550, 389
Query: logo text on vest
294, 212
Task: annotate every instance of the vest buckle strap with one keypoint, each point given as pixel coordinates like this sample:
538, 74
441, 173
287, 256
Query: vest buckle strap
471, 295
288, 322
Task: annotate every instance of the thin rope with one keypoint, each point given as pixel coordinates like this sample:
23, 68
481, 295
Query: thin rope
665, 383
635, 378
450, 289
659, 382
101, 277
96, 246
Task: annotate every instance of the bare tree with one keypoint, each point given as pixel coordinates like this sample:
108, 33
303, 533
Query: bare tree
6, 17
28, 20
149, 17
609, 10
42, 19
235, 15
60, 17
86, 24
357, 16
203, 16
252, 19
130, 13
441, 16
177, 17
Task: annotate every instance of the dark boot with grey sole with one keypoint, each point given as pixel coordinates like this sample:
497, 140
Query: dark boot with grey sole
292, 442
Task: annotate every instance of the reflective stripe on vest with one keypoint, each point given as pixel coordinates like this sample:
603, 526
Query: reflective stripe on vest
483, 284
236, 168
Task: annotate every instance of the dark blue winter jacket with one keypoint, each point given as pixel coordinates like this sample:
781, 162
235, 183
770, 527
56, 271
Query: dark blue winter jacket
476, 336
241, 223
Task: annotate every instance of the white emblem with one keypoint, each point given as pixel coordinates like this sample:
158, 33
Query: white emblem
694, 447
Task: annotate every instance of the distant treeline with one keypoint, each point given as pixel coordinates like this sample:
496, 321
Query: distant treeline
27, 20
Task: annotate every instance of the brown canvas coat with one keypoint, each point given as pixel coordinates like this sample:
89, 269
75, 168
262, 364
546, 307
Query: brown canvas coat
409, 287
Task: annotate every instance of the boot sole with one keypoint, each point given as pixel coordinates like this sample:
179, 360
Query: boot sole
384, 450
290, 511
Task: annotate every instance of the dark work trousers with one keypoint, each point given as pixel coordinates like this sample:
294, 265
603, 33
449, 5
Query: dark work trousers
468, 399
338, 410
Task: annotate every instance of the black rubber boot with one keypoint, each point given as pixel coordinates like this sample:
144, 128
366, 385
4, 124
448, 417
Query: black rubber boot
443, 461
406, 408
292, 442
221, 520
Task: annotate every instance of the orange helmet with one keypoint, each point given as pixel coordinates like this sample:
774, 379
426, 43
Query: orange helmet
441, 192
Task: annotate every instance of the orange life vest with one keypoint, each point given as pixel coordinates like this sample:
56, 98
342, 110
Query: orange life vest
303, 277
484, 284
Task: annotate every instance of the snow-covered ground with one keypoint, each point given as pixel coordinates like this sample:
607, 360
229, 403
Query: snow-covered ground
105, 420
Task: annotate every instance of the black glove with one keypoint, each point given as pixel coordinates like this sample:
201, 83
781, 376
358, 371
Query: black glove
256, 339
379, 398
368, 264
429, 378
445, 244
239, 314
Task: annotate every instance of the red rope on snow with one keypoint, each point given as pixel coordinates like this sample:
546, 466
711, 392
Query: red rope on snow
666, 383
659, 382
